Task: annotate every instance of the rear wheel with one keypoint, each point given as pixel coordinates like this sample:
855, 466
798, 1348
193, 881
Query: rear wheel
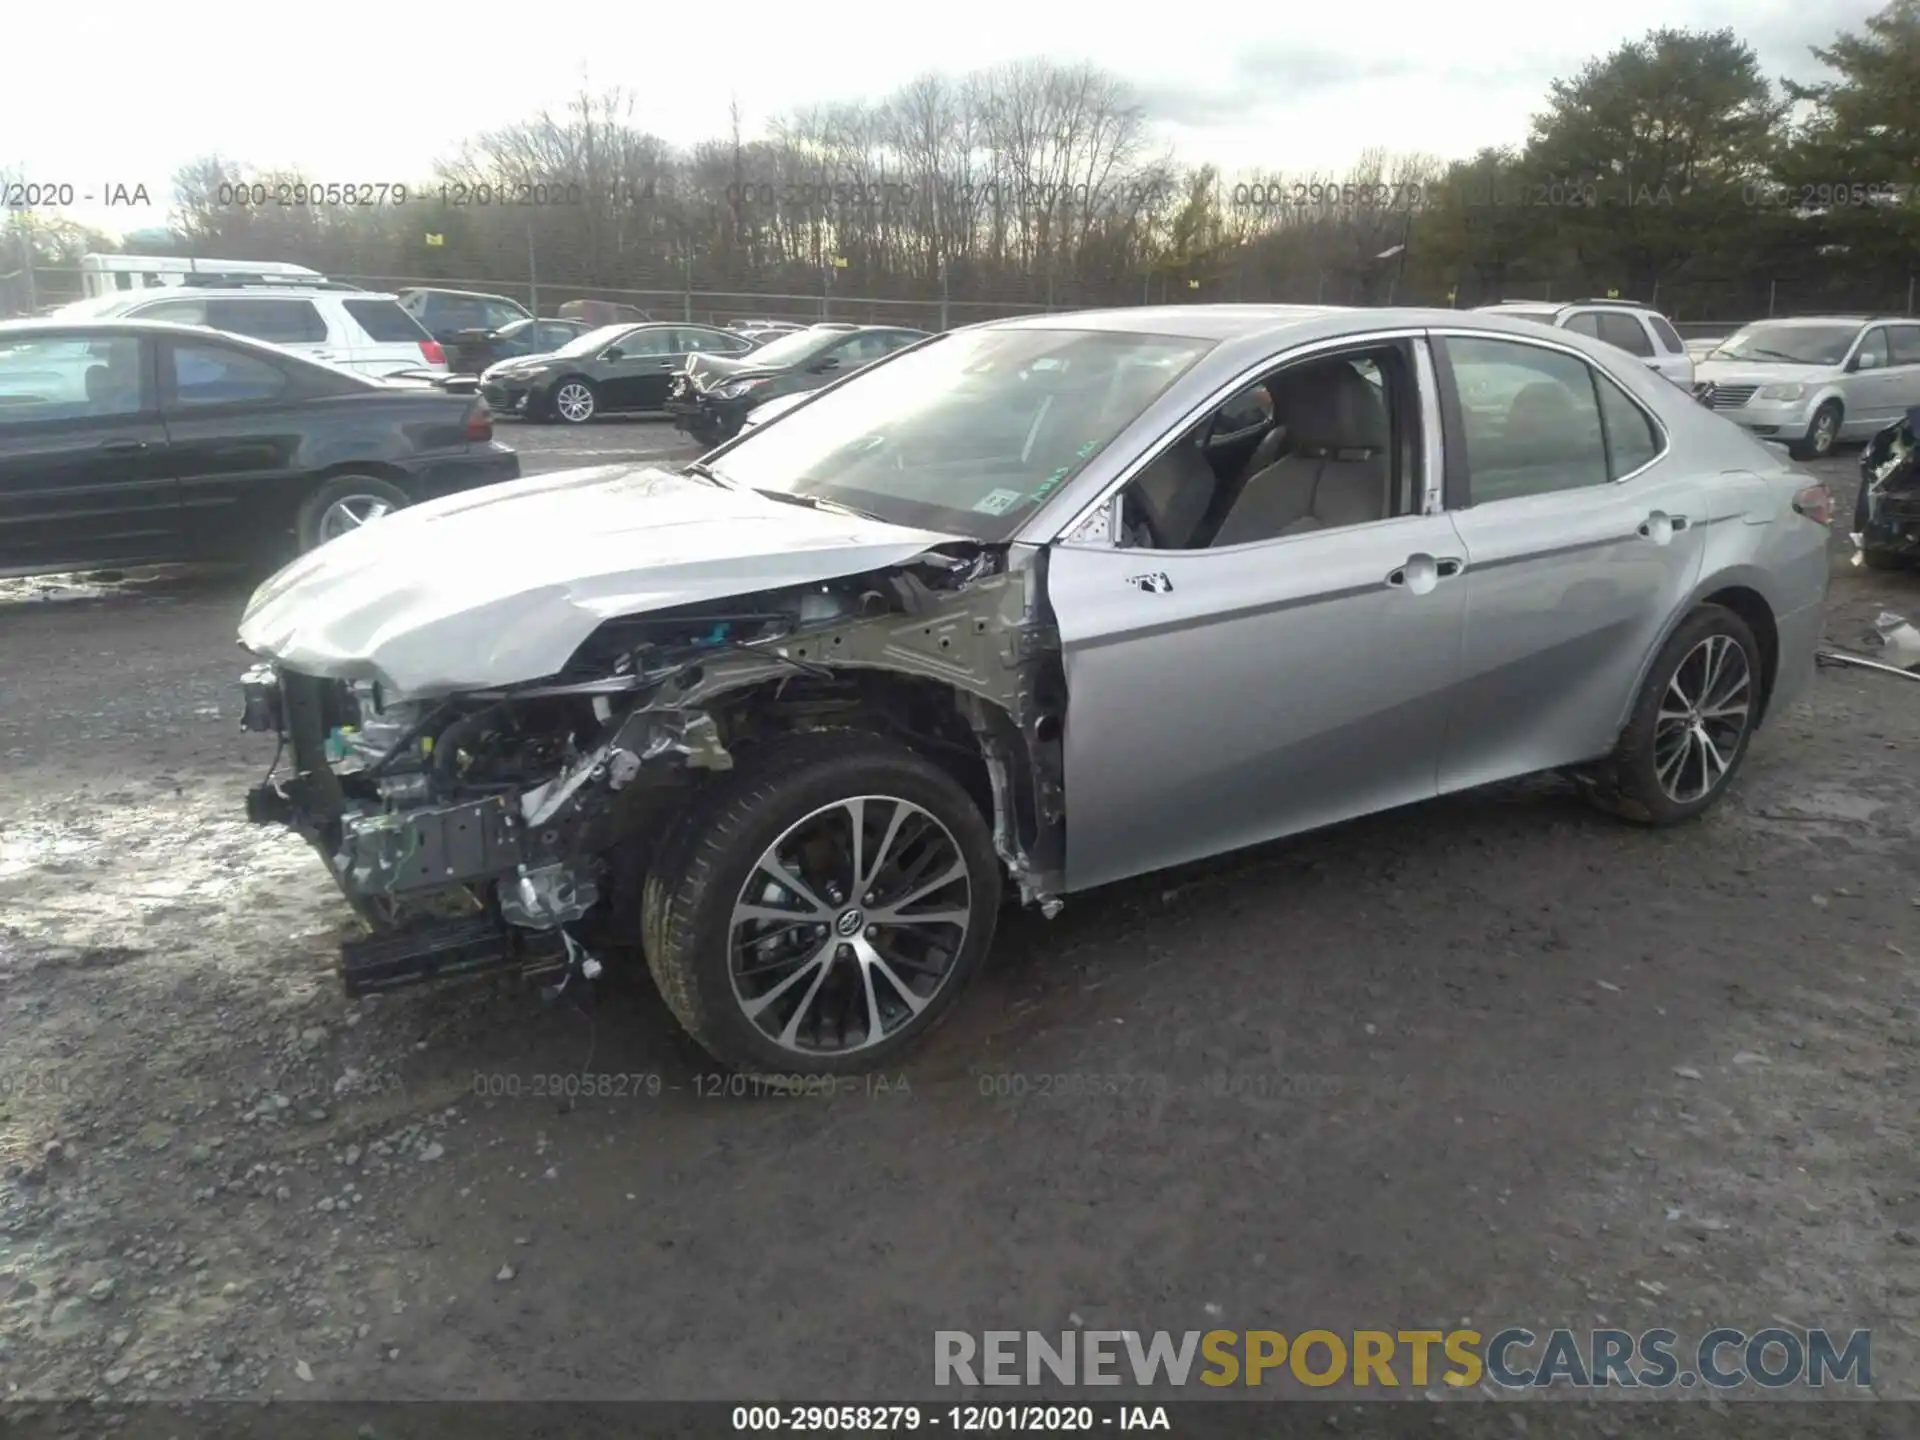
824, 908
575, 401
1690, 726
344, 504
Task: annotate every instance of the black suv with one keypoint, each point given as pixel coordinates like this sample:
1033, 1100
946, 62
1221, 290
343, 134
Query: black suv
444, 314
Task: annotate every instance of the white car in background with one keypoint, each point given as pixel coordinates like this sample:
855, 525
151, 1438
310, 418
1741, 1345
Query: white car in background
356, 330
1814, 381
1625, 324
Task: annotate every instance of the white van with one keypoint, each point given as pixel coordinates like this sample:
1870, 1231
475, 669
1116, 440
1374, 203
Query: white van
102, 275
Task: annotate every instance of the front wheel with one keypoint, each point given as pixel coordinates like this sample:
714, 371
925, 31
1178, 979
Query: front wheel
1822, 434
575, 401
824, 907
1691, 724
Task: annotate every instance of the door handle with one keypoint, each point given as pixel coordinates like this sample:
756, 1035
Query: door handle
1422, 572
1661, 527
122, 447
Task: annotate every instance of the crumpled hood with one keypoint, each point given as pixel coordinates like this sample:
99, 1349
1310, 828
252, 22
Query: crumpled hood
1739, 372
502, 584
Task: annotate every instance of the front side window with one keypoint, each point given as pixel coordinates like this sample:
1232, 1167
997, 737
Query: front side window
1585, 323
1873, 349
1670, 339
970, 434
213, 375
648, 344
1530, 420
50, 377
1308, 448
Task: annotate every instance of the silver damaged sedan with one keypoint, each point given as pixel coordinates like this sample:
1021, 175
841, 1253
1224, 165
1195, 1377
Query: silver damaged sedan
1028, 608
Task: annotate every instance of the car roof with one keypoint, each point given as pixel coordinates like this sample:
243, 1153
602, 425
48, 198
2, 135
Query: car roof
1830, 320
249, 292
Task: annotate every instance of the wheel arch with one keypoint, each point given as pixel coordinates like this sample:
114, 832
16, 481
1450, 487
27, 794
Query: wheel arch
1010, 769
1737, 590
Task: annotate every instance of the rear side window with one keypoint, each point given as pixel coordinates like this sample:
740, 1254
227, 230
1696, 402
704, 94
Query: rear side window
214, 375
1530, 418
278, 322
1632, 440
1627, 332
1669, 337
385, 322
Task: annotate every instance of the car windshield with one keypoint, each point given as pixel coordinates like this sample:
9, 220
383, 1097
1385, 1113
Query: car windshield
1788, 344
968, 434
801, 345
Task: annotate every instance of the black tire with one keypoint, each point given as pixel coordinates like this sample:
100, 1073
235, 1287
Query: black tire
704, 434
698, 874
561, 400
1628, 784
1823, 433
311, 526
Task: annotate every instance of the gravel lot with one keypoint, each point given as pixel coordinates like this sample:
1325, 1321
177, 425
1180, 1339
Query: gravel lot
1496, 1059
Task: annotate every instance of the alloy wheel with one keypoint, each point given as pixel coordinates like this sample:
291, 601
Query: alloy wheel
1825, 428
574, 401
1703, 719
350, 513
849, 925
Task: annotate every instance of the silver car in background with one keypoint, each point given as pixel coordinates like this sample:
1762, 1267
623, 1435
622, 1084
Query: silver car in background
1814, 381
1040, 604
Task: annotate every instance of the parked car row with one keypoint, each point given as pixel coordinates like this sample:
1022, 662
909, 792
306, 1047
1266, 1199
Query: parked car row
706, 377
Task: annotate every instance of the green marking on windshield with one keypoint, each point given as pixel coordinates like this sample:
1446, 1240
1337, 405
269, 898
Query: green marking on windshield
1047, 486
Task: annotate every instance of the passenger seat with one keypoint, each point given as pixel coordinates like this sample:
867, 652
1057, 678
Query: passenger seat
1339, 472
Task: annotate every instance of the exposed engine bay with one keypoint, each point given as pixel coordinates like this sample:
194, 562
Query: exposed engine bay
514, 826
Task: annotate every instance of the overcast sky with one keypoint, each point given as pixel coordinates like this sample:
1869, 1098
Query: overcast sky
361, 92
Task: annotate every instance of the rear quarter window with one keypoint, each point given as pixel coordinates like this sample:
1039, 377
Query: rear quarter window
385, 322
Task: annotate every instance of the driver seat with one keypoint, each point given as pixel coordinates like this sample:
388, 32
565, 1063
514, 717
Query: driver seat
1176, 491
1338, 472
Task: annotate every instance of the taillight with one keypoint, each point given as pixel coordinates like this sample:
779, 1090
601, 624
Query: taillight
431, 352
1816, 503
479, 423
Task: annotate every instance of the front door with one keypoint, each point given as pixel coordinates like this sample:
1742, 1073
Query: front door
1219, 698
1581, 544
83, 475
637, 378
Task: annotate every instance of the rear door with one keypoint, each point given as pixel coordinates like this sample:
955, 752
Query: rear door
1582, 546
83, 479
236, 424
384, 338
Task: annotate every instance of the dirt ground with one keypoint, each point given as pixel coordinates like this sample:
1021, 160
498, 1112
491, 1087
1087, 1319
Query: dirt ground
1494, 1061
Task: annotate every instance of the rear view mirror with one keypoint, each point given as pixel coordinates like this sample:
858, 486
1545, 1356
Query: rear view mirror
820, 367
